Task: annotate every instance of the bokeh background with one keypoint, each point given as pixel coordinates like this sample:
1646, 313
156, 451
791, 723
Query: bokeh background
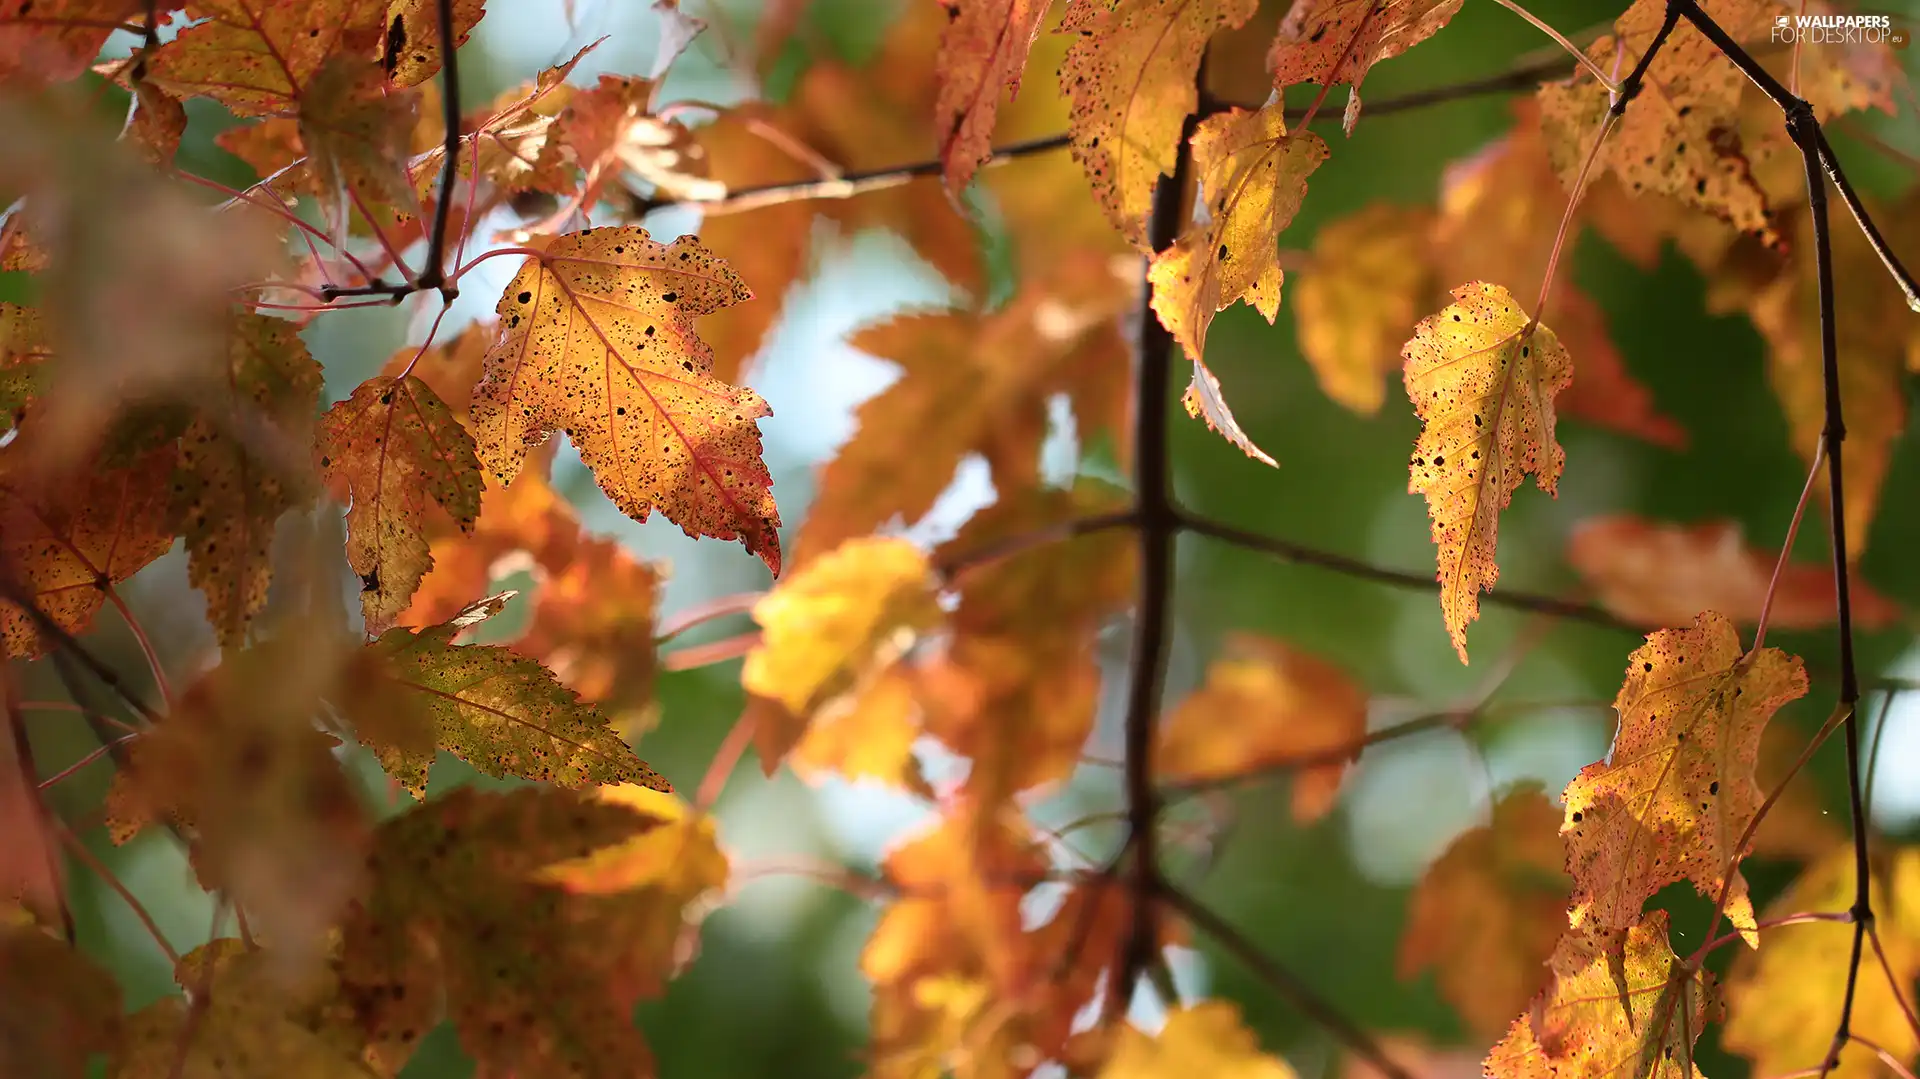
775, 989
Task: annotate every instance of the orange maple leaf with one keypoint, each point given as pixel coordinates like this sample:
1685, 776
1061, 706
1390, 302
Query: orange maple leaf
258, 57
596, 337
1672, 800
1335, 41
1482, 377
1360, 296
983, 51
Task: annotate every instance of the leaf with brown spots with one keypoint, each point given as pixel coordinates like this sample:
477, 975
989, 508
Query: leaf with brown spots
1680, 137
826, 630
1620, 1004
258, 57
1658, 574
1253, 174
596, 338
983, 51
65, 538
410, 49
1360, 297
389, 451
1334, 41
469, 911
1482, 378
503, 713
1265, 704
1487, 915
243, 464
1672, 800
1130, 76
24, 352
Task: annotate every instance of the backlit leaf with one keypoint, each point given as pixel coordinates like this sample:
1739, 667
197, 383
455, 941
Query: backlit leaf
982, 52
872, 737
65, 539
1780, 998
1482, 378
1620, 1004
1207, 1038
1681, 137
1663, 574
45, 41
24, 352
503, 713
829, 627
258, 57
1487, 915
1335, 41
1131, 79
356, 133
596, 338
1360, 298
537, 976
1673, 798
1266, 703
410, 51
1253, 175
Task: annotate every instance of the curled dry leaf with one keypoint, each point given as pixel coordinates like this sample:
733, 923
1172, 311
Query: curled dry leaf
596, 338
1659, 574
1677, 792
1265, 705
1253, 174
1130, 77
1482, 377
829, 629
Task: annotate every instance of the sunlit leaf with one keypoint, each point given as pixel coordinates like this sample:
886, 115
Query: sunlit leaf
1360, 298
259, 56
1482, 377
1204, 1039
1335, 41
982, 52
596, 338
1678, 790
410, 50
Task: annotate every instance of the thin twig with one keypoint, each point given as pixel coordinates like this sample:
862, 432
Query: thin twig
1579, 55
1786, 546
1301, 554
434, 276
99, 868
1283, 982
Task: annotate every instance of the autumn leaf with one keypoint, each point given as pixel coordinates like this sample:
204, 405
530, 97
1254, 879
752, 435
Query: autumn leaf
610, 131
1207, 1038
982, 52
1334, 41
49, 41
258, 57
537, 976
503, 713
1487, 914
1680, 137
593, 621
1677, 792
65, 539
1361, 296
972, 383
62, 1007
410, 52
1266, 704
1780, 997
872, 737
388, 451
240, 763
596, 338
1620, 1003
830, 628
24, 352
1482, 378
356, 132
228, 494
1254, 176
1130, 77
1658, 574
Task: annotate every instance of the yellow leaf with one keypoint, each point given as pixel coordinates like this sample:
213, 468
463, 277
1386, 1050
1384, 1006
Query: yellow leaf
871, 738
596, 338
1488, 913
1621, 1004
1266, 703
387, 451
1780, 999
1254, 176
680, 854
1482, 377
1678, 790
1360, 297
1205, 1039
410, 52
1130, 76
832, 626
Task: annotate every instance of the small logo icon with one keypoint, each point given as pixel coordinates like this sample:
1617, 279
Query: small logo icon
1782, 20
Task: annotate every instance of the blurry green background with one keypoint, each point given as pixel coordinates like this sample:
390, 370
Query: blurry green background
775, 989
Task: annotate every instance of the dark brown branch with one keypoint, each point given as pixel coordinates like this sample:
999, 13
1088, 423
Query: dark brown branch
1283, 982
1572, 610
